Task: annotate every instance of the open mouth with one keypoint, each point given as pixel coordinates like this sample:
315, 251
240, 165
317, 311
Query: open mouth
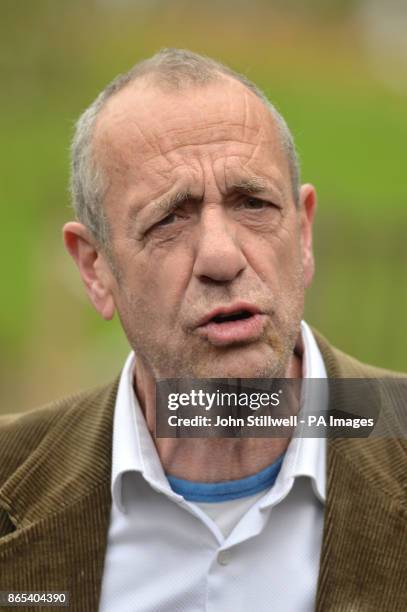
233, 316
238, 324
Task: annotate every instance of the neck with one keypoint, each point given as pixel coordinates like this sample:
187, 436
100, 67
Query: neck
209, 459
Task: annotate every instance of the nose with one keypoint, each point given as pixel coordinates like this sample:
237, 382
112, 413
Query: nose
219, 257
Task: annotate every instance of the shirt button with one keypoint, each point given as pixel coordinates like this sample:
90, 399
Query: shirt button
224, 557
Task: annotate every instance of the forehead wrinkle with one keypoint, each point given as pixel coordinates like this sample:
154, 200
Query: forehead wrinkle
167, 151
256, 114
174, 157
268, 133
278, 165
158, 142
250, 113
207, 125
168, 139
116, 136
261, 141
246, 112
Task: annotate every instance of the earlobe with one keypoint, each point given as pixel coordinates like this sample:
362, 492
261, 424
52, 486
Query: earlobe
308, 204
102, 300
94, 270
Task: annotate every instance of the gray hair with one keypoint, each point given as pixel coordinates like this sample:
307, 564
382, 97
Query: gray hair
171, 69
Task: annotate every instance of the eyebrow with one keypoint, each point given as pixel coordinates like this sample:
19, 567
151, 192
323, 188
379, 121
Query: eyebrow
251, 184
168, 202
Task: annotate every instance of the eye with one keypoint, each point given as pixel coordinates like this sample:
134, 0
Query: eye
256, 203
167, 220
173, 218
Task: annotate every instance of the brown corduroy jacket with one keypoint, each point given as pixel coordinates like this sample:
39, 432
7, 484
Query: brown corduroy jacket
55, 467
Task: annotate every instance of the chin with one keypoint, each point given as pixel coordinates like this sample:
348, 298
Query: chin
243, 364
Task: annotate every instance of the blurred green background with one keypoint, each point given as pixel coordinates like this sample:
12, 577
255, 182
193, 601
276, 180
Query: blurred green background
338, 73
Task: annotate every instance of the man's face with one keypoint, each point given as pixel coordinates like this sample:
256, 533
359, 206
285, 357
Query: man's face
207, 241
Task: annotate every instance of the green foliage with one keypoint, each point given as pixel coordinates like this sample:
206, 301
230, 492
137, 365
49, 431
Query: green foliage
350, 131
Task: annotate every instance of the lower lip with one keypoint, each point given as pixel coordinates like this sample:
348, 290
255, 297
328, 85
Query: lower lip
230, 332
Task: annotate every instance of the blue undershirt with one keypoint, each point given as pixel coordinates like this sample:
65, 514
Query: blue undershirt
230, 489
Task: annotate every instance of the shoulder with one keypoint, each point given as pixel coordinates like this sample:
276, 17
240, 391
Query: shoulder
341, 365
22, 435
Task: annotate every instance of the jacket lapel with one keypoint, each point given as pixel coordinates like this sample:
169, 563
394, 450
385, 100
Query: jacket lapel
363, 557
59, 502
63, 552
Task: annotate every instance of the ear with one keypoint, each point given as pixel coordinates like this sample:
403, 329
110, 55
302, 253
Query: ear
308, 204
93, 267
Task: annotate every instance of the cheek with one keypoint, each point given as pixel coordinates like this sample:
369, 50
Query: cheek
158, 284
276, 259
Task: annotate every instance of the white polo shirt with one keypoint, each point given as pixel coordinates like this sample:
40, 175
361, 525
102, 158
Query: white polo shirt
165, 554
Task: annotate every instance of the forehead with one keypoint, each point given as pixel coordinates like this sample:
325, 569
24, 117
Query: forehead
144, 128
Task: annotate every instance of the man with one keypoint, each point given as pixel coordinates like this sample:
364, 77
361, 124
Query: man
192, 226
